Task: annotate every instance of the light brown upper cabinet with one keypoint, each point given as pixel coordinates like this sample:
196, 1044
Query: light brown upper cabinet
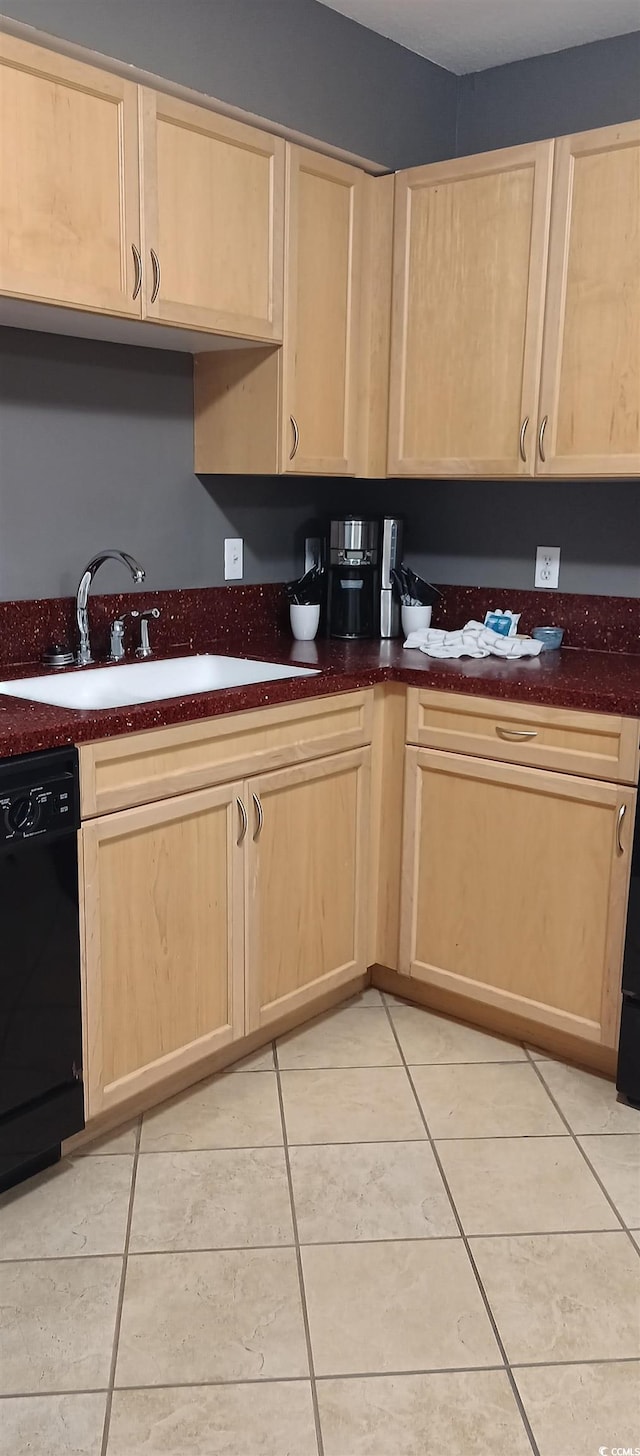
470, 252
212, 220
322, 314
318, 406
589, 412
69, 196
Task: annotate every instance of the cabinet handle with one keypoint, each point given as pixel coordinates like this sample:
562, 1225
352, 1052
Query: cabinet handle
244, 822
155, 264
137, 263
523, 431
259, 816
543, 426
518, 733
296, 437
621, 813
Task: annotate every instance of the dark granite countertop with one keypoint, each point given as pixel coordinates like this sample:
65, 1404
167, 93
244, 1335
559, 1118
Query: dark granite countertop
607, 682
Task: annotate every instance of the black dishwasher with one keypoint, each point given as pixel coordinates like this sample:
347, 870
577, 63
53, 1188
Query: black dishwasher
41, 1092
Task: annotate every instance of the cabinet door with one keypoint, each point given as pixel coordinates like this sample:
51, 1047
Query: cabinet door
590, 391
163, 967
322, 314
514, 889
69, 203
307, 879
212, 219
469, 269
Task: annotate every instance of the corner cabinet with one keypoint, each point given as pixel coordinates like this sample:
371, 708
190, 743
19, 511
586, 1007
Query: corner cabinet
470, 253
164, 968
515, 885
590, 391
69, 195
212, 220
308, 871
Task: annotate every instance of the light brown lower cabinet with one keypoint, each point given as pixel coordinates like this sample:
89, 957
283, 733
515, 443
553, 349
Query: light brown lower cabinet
211, 914
514, 888
164, 963
308, 870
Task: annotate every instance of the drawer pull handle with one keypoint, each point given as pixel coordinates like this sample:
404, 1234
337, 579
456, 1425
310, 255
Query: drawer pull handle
523, 431
296, 436
244, 822
517, 733
259, 816
155, 264
137, 263
543, 426
621, 813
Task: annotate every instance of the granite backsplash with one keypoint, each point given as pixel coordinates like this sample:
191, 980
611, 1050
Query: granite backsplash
206, 618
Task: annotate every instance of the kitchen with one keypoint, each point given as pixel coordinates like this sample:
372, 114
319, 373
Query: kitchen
340, 998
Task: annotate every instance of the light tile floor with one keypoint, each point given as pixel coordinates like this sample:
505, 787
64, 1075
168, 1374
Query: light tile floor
388, 1235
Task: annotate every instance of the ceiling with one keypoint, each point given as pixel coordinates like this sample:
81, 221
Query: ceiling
470, 35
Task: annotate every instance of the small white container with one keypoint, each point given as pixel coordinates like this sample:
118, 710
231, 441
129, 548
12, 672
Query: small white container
413, 618
305, 619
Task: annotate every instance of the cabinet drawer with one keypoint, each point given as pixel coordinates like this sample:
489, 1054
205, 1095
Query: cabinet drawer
595, 745
117, 773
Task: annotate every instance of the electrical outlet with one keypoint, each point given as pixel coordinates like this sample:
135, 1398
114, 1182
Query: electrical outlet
547, 566
233, 565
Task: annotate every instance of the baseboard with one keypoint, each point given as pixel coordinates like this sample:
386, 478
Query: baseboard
500, 1023
152, 1096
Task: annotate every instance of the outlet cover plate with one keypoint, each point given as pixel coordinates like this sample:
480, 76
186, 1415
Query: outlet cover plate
233, 562
547, 566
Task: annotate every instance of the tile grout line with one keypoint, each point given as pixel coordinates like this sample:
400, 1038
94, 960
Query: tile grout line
317, 1243
397, 1065
303, 1296
574, 1138
320, 1379
351, 1142
483, 1294
120, 1303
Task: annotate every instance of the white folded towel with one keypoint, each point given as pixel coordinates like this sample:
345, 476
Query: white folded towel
472, 640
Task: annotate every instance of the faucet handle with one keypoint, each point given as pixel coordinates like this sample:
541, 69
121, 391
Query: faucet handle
116, 649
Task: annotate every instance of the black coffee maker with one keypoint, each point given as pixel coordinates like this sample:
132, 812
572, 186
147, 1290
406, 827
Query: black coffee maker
353, 578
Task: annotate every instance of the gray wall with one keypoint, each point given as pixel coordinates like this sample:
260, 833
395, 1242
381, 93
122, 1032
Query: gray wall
96, 449
96, 439
572, 90
292, 61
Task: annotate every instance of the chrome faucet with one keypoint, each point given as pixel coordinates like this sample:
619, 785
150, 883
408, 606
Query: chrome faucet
82, 616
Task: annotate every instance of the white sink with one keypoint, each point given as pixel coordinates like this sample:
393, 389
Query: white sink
147, 682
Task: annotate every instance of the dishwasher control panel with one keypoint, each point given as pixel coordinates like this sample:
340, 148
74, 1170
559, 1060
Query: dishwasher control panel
43, 801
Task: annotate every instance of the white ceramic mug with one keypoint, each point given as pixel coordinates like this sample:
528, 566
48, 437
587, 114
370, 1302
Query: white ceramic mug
415, 617
305, 619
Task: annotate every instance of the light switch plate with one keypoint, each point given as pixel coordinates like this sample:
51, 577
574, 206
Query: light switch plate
547, 566
233, 562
